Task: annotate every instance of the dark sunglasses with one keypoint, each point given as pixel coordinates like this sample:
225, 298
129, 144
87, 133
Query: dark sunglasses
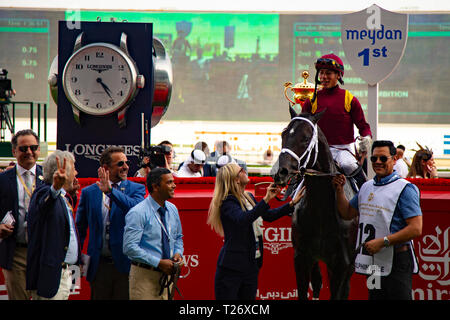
382, 158
33, 148
121, 163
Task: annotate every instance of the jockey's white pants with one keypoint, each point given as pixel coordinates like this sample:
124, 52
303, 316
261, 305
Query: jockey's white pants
343, 155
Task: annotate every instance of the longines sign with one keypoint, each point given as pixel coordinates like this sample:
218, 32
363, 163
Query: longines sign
93, 151
93, 133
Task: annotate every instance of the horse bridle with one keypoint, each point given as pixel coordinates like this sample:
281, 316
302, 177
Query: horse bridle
313, 145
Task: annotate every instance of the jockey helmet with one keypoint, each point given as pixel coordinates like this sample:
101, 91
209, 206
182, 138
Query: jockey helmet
332, 62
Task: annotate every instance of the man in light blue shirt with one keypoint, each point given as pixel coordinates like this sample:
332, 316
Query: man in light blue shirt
153, 237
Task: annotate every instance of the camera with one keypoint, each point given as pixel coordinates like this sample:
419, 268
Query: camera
6, 90
156, 155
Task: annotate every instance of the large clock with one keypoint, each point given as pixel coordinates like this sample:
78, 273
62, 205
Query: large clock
100, 79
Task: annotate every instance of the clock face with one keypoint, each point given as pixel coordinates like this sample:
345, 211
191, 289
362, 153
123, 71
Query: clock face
99, 79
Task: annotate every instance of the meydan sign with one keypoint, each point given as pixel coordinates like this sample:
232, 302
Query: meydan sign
374, 41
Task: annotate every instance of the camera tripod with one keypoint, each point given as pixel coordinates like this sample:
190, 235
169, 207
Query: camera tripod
5, 120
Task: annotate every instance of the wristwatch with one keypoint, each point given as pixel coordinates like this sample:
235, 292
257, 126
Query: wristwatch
386, 242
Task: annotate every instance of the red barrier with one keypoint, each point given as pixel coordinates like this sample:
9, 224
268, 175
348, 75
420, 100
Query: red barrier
277, 276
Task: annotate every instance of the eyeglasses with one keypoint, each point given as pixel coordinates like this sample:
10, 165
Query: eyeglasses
382, 158
121, 163
33, 148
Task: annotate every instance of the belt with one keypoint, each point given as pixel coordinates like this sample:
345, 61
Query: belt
144, 265
401, 248
21, 245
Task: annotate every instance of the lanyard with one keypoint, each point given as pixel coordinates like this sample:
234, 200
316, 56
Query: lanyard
25, 186
162, 225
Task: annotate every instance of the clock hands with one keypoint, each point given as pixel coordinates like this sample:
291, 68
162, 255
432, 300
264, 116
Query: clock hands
105, 87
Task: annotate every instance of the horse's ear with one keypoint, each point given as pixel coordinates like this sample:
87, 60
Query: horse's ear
292, 111
316, 117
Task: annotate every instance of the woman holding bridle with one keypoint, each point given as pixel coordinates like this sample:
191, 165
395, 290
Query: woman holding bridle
235, 214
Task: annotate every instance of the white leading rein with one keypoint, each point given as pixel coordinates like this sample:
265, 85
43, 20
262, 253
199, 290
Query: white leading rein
313, 145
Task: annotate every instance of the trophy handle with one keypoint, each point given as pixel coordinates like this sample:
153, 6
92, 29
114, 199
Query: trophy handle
288, 85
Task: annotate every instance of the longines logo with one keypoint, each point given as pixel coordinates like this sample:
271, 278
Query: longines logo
93, 151
276, 239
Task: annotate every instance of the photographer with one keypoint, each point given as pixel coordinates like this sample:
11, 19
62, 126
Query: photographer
161, 156
6, 92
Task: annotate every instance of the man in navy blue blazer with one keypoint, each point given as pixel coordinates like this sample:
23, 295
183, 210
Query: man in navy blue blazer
102, 208
14, 198
53, 245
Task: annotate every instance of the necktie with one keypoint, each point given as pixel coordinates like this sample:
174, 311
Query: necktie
108, 218
29, 184
164, 237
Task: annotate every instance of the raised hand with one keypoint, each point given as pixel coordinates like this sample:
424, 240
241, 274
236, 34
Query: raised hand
60, 175
103, 183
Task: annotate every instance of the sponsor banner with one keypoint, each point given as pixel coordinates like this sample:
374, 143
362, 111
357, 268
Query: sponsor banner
433, 253
277, 279
88, 138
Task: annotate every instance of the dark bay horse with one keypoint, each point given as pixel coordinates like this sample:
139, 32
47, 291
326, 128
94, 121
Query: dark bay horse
318, 232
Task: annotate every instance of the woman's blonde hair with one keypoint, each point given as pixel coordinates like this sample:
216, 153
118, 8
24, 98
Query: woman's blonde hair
226, 184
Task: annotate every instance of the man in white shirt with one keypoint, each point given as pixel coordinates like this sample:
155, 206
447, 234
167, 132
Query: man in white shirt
400, 166
193, 166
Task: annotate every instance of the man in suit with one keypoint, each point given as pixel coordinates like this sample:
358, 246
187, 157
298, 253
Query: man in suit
53, 245
16, 186
102, 208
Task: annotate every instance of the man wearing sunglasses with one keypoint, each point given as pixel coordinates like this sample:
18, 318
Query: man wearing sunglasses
102, 208
389, 219
343, 111
16, 186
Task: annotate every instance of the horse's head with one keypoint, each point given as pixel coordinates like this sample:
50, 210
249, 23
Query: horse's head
299, 146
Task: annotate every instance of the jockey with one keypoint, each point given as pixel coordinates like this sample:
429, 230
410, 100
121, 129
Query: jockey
343, 110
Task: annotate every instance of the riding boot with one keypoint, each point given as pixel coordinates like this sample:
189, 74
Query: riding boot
360, 178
